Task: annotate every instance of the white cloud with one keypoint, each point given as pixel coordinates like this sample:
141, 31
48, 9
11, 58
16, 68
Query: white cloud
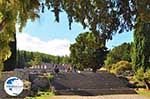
54, 47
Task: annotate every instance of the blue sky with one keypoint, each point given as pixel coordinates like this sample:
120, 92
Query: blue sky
43, 32
47, 28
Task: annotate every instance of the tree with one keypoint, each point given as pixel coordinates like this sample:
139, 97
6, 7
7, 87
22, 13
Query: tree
13, 12
65, 60
141, 54
10, 63
20, 11
35, 61
21, 59
88, 52
26, 58
119, 53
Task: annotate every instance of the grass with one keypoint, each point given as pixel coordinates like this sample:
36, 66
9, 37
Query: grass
43, 95
144, 93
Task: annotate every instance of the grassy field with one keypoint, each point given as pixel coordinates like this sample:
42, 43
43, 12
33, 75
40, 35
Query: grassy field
144, 93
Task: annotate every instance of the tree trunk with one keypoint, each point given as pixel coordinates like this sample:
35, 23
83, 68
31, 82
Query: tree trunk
2, 24
10, 63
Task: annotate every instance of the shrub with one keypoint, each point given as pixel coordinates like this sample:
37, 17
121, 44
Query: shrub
50, 77
120, 67
143, 77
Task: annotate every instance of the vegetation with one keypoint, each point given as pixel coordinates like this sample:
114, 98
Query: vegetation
26, 59
117, 54
11, 13
45, 95
88, 52
141, 54
42, 95
102, 17
143, 92
119, 61
37, 60
116, 16
143, 77
10, 63
121, 67
41, 84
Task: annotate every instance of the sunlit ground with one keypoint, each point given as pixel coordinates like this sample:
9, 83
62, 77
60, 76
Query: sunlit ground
144, 93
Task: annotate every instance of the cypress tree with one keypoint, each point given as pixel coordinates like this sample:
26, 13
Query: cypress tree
141, 49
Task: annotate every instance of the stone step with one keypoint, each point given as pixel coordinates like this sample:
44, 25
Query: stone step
94, 92
65, 81
88, 83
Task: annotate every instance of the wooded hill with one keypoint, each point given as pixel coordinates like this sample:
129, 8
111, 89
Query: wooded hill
27, 58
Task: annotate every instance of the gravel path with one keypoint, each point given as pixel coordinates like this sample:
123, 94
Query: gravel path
102, 97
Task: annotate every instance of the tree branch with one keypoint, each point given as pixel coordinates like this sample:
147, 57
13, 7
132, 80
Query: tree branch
2, 24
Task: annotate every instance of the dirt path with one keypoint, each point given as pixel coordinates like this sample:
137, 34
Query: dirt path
133, 96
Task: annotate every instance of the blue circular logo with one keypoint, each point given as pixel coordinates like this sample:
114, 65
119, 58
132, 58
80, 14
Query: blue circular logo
13, 86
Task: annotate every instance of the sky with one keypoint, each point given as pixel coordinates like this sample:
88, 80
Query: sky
47, 36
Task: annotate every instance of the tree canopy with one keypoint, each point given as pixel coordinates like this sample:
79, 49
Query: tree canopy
103, 17
88, 52
14, 12
119, 53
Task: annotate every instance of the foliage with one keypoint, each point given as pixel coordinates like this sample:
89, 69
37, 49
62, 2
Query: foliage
120, 67
42, 95
26, 58
88, 52
118, 53
10, 63
65, 60
21, 61
37, 60
143, 76
11, 13
19, 11
141, 54
105, 17
50, 77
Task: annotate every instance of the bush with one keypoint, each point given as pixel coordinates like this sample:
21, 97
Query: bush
50, 77
121, 67
143, 77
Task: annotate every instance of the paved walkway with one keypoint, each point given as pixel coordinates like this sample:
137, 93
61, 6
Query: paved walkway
133, 96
